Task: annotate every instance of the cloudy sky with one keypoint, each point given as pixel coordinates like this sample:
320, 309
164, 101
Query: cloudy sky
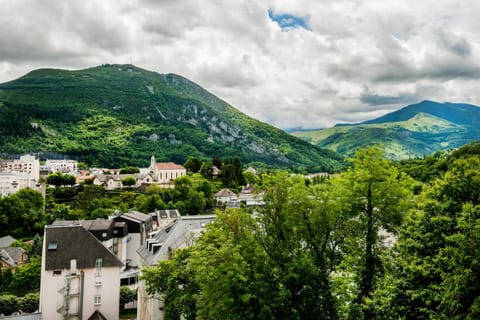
290, 63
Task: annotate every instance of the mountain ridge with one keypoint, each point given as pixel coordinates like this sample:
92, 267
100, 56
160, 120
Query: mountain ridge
413, 131
122, 114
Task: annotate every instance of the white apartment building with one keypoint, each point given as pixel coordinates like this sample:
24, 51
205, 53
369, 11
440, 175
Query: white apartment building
26, 164
64, 166
80, 277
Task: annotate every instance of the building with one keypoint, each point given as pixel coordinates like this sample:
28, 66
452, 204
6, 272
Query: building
12, 257
115, 181
79, 277
139, 225
26, 164
166, 172
162, 218
63, 166
179, 234
225, 195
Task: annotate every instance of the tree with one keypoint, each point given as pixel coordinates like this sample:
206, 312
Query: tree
127, 295
243, 267
129, 181
60, 179
206, 170
438, 254
193, 165
128, 170
378, 197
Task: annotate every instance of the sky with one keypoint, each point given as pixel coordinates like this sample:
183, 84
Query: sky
290, 63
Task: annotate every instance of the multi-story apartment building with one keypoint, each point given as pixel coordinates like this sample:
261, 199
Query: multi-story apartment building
79, 277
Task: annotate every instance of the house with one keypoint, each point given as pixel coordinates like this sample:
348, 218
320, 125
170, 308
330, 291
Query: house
79, 276
115, 181
6, 241
166, 172
12, 257
224, 196
247, 197
139, 225
162, 218
179, 234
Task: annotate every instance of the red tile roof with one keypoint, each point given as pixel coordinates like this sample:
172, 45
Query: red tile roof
168, 166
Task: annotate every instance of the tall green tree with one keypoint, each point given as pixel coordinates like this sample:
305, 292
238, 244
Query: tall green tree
378, 198
438, 254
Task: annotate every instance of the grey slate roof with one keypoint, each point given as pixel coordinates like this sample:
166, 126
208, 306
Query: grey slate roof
176, 235
15, 253
98, 224
75, 242
5, 257
136, 216
6, 241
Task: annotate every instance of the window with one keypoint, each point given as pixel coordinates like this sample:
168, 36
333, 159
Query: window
98, 281
98, 263
104, 235
97, 300
52, 245
57, 273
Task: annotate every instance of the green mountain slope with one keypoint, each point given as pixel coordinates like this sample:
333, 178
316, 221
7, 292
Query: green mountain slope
116, 115
413, 131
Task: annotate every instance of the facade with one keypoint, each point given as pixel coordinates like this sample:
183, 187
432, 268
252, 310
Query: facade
64, 166
114, 181
80, 277
224, 196
166, 172
179, 234
139, 225
26, 164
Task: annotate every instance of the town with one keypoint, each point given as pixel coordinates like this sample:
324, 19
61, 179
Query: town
86, 263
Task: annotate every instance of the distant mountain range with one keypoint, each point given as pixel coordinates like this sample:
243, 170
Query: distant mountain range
413, 131
119, 115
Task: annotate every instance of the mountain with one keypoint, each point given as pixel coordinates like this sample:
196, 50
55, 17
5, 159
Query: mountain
118, 115
413, 131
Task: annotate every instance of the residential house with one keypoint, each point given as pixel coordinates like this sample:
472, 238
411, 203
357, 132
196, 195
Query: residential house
79, 276
166, 172
115, 181
247, 197
179, 234
6, 241
162, 218
225, 195
11, 257
139, 225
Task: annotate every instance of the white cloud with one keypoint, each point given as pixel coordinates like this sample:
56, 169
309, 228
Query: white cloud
359, 60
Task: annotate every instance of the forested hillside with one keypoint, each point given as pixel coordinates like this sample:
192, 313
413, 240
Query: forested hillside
119, 115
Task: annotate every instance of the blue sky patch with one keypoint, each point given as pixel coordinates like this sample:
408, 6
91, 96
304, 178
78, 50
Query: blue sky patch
288, 21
